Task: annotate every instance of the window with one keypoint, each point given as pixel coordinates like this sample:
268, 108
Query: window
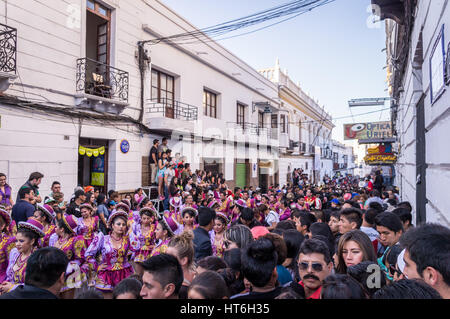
210, 104
240, 114
283, 124
163, 87
260, 119
98, 32
437, 68
274, 121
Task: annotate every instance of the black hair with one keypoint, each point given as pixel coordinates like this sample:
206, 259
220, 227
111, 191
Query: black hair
90, 293
293, 240
390, 221
370, 214
307, 219
45, 266
165, 269
361, 273
239, 234
353, 203
407, 289
429, 246
377, 206
55, 183
129, 285
288, 293
24, 191
110, 192
232, 258
35, 175
30, 235
259, 260
324, 230
286, 225
353, 215
210, 285
310, 246
280, 246
247, 214
235, 285
335, 213
341, 286
205, 215
405, 205
404, 214
212, 263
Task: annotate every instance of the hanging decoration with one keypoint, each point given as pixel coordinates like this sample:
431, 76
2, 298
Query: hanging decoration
91, 151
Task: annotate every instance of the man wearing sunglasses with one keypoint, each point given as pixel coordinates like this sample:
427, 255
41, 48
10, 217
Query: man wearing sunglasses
314, 265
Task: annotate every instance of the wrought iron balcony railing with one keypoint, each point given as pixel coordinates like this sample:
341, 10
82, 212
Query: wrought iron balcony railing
249, 128
173, 109
102, 80
8, 49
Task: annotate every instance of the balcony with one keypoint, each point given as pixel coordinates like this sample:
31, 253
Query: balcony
101, 86
168, 115
390, 9
8, 56
248, 129
302, 148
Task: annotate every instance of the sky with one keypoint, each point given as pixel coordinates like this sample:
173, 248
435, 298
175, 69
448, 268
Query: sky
334, 51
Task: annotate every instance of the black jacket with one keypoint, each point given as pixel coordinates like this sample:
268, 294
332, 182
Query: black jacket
202, 244
28, 292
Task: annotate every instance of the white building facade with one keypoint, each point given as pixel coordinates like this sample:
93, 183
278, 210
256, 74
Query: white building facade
418, 36
86, 84
305, 130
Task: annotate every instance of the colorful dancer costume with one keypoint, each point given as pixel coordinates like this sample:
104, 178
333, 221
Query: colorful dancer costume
74, 248
88, 231
50, 213
15, 273
7, 243
114, 265
218, 246
146, 241
171, 226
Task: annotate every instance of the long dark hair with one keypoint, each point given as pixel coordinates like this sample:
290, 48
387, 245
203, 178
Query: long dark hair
363, 242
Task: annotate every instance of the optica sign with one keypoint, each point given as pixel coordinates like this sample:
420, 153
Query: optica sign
372, 130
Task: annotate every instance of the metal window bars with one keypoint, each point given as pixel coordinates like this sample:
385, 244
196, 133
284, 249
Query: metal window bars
174, 109
8, 49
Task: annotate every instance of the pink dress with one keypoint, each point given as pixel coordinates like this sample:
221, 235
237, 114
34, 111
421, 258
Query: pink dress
88, 231
44, 242
161, 247
146, 242
7, 243
76, 270
114, 261
16, 277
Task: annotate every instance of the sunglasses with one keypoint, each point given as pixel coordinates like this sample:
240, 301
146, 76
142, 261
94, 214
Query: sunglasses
315, 266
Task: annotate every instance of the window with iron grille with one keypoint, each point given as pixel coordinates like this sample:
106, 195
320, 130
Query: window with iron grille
274, 121
209, 104
163, 87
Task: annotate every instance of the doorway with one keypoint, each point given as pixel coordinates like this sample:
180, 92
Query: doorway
93, 170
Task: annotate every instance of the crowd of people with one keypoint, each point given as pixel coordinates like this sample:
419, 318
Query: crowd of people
336, 240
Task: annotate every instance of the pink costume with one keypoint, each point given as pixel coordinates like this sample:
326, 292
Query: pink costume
16, 277
44, 242
76, 270
285, 214
113, 261
146, 242
88, 231
218, 248
161, 247
7, 243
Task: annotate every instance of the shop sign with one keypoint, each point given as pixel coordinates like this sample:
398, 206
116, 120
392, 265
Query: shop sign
124, 146
371, 130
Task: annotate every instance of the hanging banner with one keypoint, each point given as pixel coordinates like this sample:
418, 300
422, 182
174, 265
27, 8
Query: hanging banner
98, 171
91, 151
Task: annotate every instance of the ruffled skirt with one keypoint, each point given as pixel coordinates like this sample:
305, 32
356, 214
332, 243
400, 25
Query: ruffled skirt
108, 279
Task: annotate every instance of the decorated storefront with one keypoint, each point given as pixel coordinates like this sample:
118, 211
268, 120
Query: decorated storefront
92, 163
